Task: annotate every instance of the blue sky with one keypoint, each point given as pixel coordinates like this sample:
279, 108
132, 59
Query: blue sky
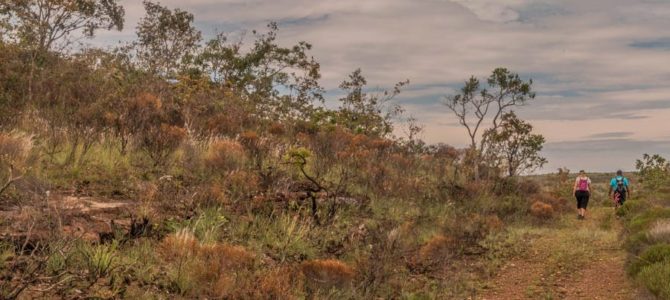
601, 67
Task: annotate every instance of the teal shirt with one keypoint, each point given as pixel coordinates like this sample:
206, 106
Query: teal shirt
613, 182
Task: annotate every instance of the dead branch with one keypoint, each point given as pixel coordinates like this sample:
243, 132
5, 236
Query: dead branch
10, 179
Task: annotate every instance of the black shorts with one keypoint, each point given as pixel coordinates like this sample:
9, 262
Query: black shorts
582, 198
621, 195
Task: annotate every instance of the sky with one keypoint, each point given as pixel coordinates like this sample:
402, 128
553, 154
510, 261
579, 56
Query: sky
601, 68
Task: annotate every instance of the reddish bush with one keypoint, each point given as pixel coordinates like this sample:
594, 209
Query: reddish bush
276, 129
436, 250
159, 142
541, 210
225, 155
559, 204
179, 245
328, 272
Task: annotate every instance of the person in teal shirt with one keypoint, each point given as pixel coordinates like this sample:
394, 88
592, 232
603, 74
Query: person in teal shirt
619, 189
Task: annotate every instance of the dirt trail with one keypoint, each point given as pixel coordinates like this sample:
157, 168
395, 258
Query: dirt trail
576, 259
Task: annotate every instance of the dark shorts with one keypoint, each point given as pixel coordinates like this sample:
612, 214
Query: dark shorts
621, 196
582, 198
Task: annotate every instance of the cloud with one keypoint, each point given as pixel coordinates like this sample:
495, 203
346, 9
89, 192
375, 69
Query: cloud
599, 66
603, 155
492, 10
610, 135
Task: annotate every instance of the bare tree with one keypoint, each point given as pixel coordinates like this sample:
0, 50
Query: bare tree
475, 106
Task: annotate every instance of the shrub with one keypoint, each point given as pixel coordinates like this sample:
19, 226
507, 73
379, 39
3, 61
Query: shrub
159, 142
637, 242
559, 204
180, 244
436, 250
327, 272
225, 155
656, 278
652, 255
660, 232
99, 260
633, 207
646, 219
541, 210
279, 283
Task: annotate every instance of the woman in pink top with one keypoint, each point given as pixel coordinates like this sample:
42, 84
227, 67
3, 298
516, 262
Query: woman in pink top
582, 191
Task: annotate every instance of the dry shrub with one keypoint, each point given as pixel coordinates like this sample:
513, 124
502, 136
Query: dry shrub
276, 129
327, 272
279, 283
493, 223
225, 155
541, 210
214, 268
436, 250
217, 260
159, 142
249, 138
241, 184
660, 232
559, 204
529, 187
179, 245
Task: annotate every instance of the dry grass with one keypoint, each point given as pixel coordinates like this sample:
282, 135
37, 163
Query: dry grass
660, 231
327, 272
541, 210
436, 250
225, 155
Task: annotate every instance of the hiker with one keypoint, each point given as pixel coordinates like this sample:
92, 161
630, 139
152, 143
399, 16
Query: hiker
619, 189
582, 191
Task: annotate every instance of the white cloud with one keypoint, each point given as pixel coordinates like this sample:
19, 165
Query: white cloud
579, 52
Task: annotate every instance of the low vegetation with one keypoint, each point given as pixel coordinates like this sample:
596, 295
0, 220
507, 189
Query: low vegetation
175, 168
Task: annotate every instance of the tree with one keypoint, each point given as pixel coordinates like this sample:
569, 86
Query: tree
365, 113
281, 82
167, 39
42, 23
654, 170
513, 146
474, 106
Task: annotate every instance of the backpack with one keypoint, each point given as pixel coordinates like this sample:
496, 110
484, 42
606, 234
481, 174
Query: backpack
583, 184
620, 185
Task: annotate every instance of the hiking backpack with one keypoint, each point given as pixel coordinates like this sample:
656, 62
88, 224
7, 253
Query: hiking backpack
583, 184
620, 185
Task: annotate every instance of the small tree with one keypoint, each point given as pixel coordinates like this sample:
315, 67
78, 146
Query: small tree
42, 23
167, 39
474, 106
280, 82
513, 146
654, 170
366, 113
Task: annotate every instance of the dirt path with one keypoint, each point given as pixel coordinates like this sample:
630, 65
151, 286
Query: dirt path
574, 259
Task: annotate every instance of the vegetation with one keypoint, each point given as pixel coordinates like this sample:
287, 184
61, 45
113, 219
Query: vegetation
647, 219
172, 167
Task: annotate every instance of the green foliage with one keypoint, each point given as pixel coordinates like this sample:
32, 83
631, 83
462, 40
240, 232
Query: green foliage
41, 24
166, 39
656, 278
644, 220
99, 260
659, 253
654, 171
288, 236
513, 147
